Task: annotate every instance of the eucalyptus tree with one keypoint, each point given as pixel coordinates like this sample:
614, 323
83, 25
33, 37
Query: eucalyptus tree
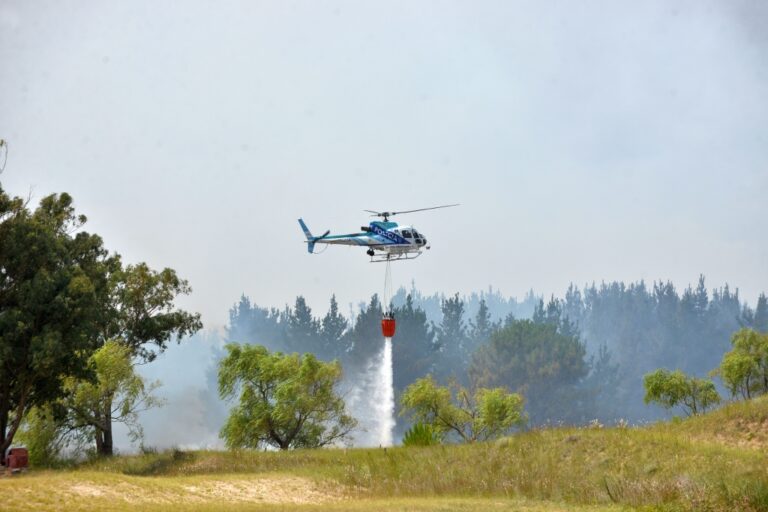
54, 280
62, 296
139, 313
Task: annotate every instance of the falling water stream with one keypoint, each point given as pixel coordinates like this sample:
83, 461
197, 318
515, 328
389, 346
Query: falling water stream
384, 397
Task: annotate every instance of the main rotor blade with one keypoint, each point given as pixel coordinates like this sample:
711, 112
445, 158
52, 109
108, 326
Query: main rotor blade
390, 214
424, 209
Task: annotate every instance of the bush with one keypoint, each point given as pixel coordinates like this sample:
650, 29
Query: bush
42, 436
421, 434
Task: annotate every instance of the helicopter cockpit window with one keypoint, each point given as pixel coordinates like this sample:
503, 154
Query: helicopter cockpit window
407, 234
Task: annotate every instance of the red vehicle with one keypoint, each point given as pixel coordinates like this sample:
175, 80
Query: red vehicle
16, 459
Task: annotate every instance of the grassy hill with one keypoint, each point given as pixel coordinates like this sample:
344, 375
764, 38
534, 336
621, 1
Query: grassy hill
714, 462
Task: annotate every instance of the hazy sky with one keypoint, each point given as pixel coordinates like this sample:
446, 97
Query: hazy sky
589, 140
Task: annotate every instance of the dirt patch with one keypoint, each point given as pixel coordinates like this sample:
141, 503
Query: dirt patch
742, 433
267, 490
124, 491
87, 490
272, 490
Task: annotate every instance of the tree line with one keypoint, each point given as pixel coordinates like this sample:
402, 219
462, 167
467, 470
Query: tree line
576, 358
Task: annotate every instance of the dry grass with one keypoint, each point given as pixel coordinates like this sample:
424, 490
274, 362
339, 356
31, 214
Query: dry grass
716, 462
87, 490
112, 492
742, 424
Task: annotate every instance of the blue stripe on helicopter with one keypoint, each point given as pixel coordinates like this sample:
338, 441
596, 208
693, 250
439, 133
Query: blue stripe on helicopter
390, 237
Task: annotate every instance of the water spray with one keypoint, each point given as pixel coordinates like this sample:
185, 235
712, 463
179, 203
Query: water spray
384, 395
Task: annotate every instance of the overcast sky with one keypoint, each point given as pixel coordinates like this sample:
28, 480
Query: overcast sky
585, 141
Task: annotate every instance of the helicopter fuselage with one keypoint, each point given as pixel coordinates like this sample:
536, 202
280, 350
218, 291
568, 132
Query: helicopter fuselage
384, 240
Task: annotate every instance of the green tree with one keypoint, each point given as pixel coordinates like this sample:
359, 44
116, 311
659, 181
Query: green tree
536, 360
761, 314
672, 389
363, 340
302, 328
139, 313
481, 327
413, 351
80, 416
740, 374
284, 401
478, 416
140, 310
332, 329
53, 281
744, 369
413, 345
43, 434
249, 322
452, 339
117, 395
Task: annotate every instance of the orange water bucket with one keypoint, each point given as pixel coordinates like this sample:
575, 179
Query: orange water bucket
388, 327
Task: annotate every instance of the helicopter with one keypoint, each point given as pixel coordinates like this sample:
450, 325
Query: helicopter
385, 240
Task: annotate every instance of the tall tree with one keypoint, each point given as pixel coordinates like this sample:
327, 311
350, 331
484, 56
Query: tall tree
364, 339
302, 328
249, 323
553, 314
332, 329
140, 313
117, 395
452, 340
536, 360
53, 281
481, 327
760, 321
413, 351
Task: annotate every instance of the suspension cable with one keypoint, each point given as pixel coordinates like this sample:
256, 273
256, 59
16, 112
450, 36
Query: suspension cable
386, 305
4, 148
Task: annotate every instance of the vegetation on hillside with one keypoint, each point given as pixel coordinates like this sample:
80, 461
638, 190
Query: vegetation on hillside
695, 464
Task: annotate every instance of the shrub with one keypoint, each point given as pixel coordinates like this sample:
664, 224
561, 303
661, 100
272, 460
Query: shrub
421, 434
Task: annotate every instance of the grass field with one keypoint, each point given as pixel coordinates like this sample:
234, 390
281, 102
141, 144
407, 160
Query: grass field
715, 462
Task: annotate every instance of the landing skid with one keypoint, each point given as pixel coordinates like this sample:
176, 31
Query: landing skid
382, 258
